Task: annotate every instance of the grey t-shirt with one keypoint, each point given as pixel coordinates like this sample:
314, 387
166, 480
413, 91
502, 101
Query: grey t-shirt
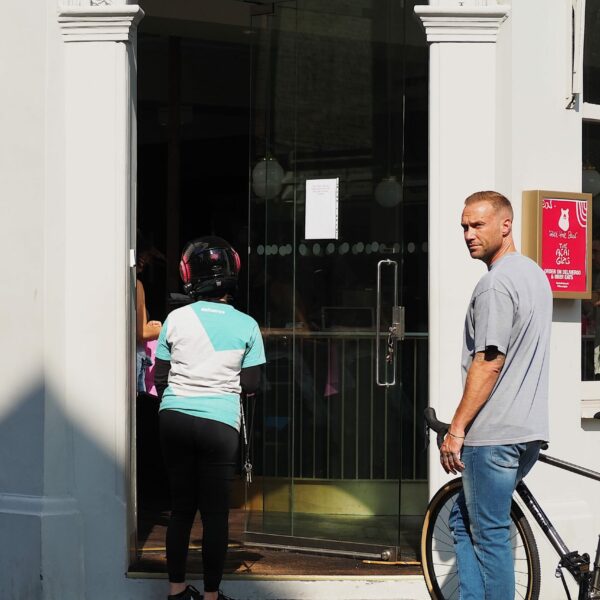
511, 309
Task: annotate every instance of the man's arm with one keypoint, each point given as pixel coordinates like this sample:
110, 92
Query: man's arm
481, 379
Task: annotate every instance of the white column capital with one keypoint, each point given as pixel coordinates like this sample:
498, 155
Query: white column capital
462, 23
110, 23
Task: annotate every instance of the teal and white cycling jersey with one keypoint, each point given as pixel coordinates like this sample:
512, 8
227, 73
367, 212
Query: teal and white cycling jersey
208, 344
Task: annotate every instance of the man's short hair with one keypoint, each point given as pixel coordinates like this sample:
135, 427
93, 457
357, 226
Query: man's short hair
496, 199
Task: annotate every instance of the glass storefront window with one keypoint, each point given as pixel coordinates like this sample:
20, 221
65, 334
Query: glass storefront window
590, 309
339, 91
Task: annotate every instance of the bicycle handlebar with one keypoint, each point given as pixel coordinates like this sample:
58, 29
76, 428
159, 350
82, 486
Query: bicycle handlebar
438, 426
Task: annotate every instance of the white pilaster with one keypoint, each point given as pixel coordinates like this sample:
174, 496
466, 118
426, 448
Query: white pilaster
94, 224
462, 140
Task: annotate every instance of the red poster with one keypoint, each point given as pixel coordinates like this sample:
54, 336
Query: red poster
564, 244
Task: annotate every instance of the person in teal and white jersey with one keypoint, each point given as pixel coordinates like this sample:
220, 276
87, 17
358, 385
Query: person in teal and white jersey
208, 354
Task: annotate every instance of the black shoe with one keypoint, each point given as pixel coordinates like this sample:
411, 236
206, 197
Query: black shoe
190, 593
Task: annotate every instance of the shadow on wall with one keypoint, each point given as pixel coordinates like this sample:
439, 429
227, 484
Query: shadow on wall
63, 505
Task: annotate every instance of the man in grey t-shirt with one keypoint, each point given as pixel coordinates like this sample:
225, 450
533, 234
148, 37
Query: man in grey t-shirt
502, 417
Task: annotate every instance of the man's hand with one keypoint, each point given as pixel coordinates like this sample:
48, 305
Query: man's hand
450, 454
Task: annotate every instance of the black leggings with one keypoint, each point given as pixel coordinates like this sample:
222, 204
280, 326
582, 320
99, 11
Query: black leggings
200, 455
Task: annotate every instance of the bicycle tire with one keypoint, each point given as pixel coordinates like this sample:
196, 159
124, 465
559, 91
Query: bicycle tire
439, 560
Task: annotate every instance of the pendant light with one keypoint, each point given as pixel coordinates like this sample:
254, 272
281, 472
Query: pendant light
267, 174
590, 179
267, 178
389, 191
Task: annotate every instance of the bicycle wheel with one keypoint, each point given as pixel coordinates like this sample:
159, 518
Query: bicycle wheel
439, 559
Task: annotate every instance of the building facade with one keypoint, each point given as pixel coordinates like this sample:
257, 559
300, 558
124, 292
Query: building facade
115, 121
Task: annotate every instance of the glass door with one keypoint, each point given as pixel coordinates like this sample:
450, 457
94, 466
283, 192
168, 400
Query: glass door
338, 93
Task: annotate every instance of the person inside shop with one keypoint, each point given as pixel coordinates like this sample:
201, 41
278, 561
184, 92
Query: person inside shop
208, 354
145, 330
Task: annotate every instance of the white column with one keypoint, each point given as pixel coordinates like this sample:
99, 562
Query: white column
462, 108
93, 378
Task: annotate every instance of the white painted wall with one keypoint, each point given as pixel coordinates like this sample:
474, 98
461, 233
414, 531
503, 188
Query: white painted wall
540, 148
498, 120
22, 297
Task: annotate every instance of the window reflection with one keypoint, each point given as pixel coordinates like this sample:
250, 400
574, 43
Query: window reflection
591, 53
590, 309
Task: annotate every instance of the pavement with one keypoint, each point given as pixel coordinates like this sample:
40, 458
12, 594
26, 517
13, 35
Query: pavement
409, 587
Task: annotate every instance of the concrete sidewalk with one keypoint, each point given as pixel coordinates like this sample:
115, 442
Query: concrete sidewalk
403, 587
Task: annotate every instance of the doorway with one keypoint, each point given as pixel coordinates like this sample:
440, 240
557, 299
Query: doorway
338, 95
193, 139
237, 110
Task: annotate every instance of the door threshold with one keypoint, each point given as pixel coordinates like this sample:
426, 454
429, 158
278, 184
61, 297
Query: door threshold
251, 577
275, 557
244, 562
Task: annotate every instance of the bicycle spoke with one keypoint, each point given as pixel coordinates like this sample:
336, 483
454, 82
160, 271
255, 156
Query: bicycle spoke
447, 565
447, 538
519, 594
450, 592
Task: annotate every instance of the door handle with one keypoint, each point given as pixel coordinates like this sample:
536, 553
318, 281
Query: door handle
395, 331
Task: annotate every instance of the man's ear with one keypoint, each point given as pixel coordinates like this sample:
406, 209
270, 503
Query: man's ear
506, 226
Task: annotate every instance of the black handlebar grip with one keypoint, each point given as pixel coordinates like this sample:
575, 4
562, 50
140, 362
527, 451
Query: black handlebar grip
438, 426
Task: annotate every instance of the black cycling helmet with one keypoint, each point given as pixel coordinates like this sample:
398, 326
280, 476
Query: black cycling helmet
209, 268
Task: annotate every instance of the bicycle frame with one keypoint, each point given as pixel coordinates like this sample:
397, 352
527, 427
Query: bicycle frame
576, 564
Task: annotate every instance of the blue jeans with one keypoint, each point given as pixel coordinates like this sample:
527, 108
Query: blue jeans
142, 362
480, 519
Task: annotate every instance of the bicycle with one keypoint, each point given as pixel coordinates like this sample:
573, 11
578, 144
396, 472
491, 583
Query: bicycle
437, 546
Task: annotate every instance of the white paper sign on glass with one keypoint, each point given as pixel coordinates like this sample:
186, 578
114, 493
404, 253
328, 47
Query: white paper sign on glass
322, 209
